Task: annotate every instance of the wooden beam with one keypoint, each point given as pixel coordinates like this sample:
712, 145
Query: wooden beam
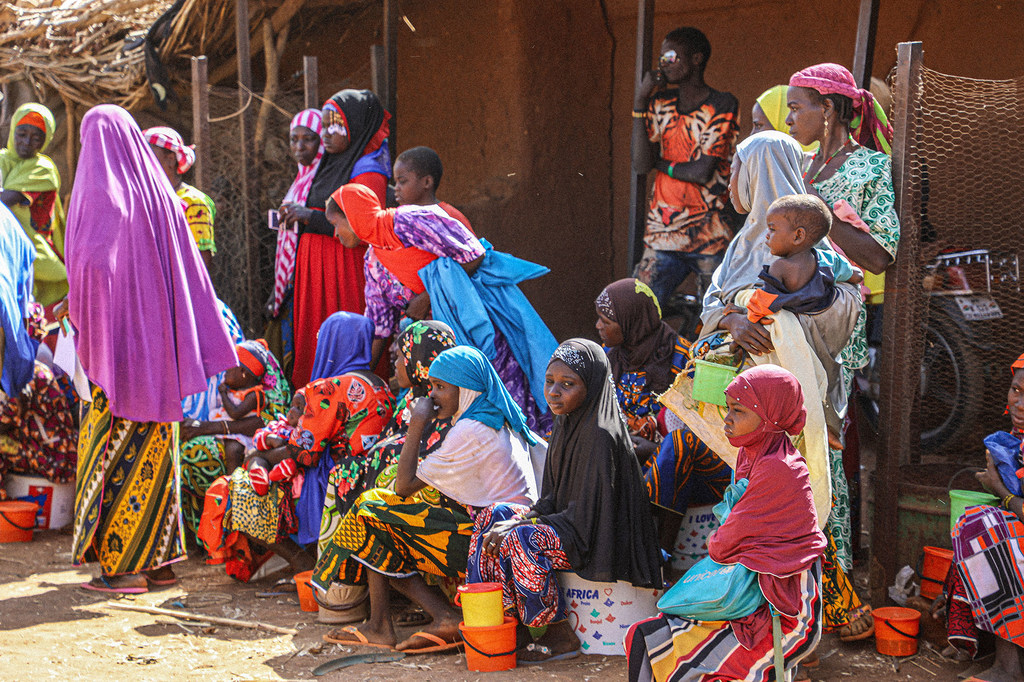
391, 19
638, 186
282, 15
250, 186
864, 52
902, 327
201, 122
310, 82
378, 68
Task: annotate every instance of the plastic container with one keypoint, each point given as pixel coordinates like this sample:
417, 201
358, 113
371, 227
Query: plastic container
600, 613
56, 500
896, 630
692, 541
481, 605
710, 380
934, 568
306, 601
959, 500
17, 520
491, 648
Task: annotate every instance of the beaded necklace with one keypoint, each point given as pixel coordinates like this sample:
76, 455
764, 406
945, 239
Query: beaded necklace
849, 139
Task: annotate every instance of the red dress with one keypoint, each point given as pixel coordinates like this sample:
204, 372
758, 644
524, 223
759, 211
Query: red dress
328, 278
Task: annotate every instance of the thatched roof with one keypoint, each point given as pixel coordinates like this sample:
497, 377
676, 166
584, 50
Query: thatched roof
92, 51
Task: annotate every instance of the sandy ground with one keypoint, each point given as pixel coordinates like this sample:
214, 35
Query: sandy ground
49, 628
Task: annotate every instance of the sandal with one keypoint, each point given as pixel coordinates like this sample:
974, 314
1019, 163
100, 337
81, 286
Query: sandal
441, 645
112, 589
851, 632
546, 653
359, 639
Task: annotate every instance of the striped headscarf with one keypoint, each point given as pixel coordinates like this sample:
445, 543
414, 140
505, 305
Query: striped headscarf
870, 126
287, 240
168, 138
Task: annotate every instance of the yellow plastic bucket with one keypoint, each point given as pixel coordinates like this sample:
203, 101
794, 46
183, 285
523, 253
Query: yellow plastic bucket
481, 605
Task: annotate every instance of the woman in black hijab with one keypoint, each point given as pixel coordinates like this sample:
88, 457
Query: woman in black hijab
593, 516
328, 275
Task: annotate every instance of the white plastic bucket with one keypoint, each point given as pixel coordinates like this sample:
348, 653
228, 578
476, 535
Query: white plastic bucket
56, 500
600, 613
692, 542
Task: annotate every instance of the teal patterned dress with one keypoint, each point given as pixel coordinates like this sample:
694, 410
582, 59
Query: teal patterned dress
865, 182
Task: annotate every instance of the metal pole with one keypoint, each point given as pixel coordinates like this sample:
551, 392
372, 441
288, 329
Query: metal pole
864, 53
310, 82
901, 327
201, 122
638, 186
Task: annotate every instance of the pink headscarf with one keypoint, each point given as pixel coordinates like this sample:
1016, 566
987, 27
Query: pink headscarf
870, 125
773, 528
287, 240
169, 138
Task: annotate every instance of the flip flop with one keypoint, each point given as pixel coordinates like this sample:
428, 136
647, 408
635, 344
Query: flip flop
110, 589
441, 644
360, 639
161, 583
546, 651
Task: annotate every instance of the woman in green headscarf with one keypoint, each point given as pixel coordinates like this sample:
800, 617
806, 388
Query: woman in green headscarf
30, 189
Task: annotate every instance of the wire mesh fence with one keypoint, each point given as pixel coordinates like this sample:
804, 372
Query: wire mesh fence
965, 163
244, 288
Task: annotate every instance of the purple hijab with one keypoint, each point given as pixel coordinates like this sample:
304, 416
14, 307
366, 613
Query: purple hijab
149, 332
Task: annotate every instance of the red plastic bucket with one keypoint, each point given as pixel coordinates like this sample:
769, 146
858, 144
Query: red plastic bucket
896, 630
305, 590
490, 649
17, 519
934, 568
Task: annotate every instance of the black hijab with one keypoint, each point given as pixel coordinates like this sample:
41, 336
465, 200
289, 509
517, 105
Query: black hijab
648, 343
592, 492
367, 122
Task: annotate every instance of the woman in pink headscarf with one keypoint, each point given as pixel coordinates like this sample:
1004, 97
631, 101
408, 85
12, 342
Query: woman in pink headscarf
772, 530
304, 140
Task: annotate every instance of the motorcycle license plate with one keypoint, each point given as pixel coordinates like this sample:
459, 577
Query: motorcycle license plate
978, 308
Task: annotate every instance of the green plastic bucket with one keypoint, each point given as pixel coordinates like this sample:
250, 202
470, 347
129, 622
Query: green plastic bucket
960, 500
710, 380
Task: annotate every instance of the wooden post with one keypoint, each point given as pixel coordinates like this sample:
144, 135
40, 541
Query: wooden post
638, 186
201, 122
378, 68
390, 95
864, 52
250, 186
310, 84
902, 327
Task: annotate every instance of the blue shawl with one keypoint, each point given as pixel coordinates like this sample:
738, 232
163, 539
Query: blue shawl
343, 344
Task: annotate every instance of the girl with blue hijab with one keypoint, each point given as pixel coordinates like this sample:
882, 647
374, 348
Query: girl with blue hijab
391, 538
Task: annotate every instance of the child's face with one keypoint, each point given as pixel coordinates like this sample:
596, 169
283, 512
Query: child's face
237, 378
402, 373
564, 389
783, 237
411, 188
609, 331
739, 420
296, 409
445, 397
759, 121
304, 144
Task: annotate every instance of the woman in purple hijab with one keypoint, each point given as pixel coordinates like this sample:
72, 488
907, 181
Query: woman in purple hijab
148, 333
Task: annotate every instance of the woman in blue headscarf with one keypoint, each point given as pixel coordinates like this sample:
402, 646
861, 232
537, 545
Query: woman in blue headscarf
400, 535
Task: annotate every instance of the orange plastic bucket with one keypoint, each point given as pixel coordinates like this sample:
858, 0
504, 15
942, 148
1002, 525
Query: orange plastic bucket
481, 605
896, 630
17, 519
306, 601
490, 649
933, 570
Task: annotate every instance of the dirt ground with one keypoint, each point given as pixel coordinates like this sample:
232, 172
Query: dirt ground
49, 628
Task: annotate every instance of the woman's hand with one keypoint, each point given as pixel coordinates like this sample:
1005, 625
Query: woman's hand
61, 310
294, 213
751, 336
423, 413
990, 479
492, 541
419, 307
11, 197
190, 429
644, 448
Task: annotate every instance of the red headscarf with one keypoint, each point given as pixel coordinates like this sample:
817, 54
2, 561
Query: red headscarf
870, 125
773, 528
1018, 364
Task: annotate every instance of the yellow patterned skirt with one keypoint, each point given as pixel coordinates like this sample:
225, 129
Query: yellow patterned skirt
127, 496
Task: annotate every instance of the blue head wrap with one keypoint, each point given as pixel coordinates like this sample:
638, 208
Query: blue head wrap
342, 345
467, 367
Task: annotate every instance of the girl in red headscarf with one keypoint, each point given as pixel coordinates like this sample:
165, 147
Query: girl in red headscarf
772, 530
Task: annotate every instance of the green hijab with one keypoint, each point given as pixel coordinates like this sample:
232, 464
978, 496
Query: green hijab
38, 174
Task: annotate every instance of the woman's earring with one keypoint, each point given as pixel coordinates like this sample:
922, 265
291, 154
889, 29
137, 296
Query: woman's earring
826, 124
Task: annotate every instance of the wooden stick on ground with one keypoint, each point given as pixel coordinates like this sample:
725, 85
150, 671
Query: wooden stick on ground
185, 615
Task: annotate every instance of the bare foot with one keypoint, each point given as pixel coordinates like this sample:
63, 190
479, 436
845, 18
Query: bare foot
161, 576
558, 641
1007, 666
446, 630
352, 635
